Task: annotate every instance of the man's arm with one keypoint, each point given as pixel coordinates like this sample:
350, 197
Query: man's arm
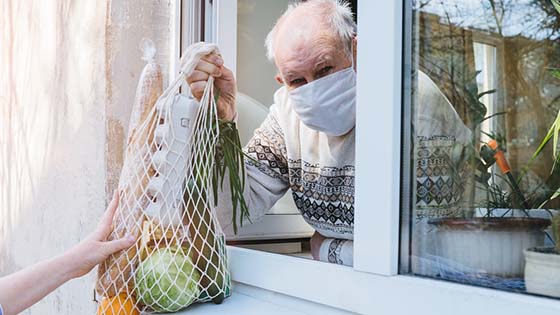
24, 288
336, 251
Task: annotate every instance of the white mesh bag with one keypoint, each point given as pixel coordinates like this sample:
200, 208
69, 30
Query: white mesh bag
167, 202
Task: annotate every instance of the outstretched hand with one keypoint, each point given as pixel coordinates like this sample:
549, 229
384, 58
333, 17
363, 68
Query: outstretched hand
24, 288
95, 248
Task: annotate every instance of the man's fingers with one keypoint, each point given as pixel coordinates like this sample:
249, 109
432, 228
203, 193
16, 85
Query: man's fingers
215, 59
209, 68
197, 75
120, 244
227, 74
197, 89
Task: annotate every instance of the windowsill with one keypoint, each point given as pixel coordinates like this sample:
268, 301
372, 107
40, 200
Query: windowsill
242, 304
365, 293
247, 300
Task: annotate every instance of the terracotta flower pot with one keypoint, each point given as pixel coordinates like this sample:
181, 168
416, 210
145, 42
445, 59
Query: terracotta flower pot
488, 245
542, 271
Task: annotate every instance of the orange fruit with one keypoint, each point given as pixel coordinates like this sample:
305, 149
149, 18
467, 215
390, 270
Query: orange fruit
118, 305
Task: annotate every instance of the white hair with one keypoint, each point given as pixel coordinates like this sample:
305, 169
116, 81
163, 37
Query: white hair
338, 17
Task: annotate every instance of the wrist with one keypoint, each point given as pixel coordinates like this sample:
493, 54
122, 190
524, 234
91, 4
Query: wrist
234, 117
230, 116
337, 251
324, 249
69, 265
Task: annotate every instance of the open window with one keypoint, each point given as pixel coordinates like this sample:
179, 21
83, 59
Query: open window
282, 230
240, 28
402, 45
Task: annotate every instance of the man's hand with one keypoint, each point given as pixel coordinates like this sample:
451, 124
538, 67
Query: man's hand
95, 248
224, 81
315, 244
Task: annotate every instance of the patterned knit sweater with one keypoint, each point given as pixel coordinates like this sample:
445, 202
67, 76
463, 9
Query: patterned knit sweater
317, 168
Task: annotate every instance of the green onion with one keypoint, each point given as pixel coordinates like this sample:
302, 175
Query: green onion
231, 158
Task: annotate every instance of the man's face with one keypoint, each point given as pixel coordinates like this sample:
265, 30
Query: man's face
306, 51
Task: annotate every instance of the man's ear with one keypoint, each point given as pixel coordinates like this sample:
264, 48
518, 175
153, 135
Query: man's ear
355, 54
279, 79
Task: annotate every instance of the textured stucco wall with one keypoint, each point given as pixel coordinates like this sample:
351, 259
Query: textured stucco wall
52, 93
129, 22
67, 69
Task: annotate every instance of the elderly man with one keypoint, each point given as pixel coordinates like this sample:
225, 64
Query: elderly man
306, 143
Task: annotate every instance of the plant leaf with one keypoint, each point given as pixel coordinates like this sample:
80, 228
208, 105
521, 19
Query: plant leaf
556, 4
543, 144
232, 160
556, 125
485, 93
555, 73
492, 116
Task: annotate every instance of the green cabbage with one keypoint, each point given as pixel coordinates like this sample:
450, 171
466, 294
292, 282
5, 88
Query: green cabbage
167, 280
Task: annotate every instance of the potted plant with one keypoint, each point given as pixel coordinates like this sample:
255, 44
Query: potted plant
493, 232
491, 237
542, 264
491, 241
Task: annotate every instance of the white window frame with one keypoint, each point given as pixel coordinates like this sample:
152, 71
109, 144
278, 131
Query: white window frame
373, 285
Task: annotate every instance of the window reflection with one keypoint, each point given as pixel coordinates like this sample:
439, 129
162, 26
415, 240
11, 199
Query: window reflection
484, 96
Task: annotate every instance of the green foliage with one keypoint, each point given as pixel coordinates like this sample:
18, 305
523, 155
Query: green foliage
475, 108
555, 73
552, 134
231, 159
556, 4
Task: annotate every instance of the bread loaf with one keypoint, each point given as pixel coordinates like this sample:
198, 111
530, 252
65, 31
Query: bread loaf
116, 272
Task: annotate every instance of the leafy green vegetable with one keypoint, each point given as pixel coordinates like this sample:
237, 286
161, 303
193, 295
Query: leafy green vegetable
167, 281
228, 156
231, 158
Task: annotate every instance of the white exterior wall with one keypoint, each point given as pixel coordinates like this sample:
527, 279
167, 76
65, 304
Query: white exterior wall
67, 69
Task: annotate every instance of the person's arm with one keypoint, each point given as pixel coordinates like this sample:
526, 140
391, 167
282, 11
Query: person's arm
24, 288
336, 251
266, 171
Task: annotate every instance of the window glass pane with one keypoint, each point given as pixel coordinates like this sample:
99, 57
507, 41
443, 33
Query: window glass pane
254, 20
485, 91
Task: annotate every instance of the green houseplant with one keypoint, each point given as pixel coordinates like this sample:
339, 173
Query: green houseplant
542, 267
494, 231
492, 236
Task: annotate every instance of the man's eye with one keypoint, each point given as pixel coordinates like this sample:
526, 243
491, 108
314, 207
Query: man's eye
324, 71
297, 81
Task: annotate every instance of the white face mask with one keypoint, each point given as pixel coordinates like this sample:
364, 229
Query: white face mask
328, 104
